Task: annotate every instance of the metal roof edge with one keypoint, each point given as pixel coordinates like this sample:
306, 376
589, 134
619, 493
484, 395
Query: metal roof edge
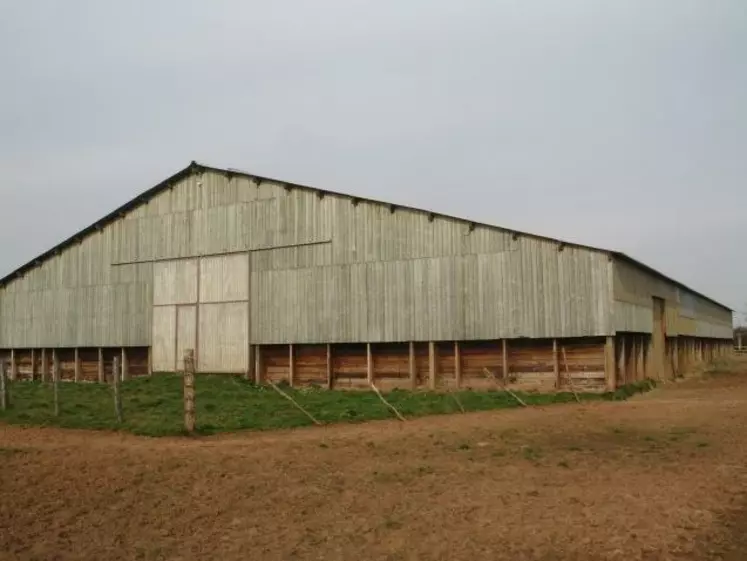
624, 257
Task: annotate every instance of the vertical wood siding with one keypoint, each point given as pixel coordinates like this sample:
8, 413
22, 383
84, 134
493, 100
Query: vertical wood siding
223, 337
319, 269
686, 313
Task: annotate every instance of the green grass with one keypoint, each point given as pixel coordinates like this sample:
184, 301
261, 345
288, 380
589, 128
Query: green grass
153, 406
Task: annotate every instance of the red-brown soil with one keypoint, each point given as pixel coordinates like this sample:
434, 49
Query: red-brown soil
662, 476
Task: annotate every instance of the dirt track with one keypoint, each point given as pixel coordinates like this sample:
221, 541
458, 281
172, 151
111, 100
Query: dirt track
662, 476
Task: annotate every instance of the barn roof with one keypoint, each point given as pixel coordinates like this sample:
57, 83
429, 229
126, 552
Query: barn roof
194, 167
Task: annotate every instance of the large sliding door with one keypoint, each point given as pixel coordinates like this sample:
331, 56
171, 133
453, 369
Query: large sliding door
223, 324
201, 304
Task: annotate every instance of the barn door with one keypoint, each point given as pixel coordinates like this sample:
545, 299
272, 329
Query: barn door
201, 304
174, 312
186, 332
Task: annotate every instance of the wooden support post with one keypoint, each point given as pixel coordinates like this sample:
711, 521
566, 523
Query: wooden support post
150, 361
505, 361
249, 374
189, 391
457, 365
13, 365
676, 356
125, 365
369, 364
330, 373
33, 365
291, 366
412, 366
44, 367
101, 375
115, 386
609, 364
642, 357
623, 379
432, 365
56, 382
3, 386
258, 373
556, 364
76, 365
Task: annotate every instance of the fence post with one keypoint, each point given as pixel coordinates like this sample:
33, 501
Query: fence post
3, 386
115, 386
189, 391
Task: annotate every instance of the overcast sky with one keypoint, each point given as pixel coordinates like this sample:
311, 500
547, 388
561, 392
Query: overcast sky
619, 123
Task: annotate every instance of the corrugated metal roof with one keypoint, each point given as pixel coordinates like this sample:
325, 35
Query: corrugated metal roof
194, 167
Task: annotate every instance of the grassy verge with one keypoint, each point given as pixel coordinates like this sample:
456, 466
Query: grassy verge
153, 406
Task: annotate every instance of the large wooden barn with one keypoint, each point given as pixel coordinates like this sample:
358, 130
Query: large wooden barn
280, 281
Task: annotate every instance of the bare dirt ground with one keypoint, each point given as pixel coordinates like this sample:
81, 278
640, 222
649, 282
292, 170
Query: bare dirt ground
662, 476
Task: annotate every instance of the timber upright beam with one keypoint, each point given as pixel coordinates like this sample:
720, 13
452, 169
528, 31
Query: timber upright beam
623, 361
291, 365
125, 365
258, 373
56, 381
100, 367
505, 360
13, 365
432, 365
44, 366
249, 374
76, 365
457, 365
33, 365
412, 368
369, 364
610, 370
330, 375
555, 363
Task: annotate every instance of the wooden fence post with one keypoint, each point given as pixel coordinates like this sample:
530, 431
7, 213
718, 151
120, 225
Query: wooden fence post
189, 391
56, 382
3, 386
115, 386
